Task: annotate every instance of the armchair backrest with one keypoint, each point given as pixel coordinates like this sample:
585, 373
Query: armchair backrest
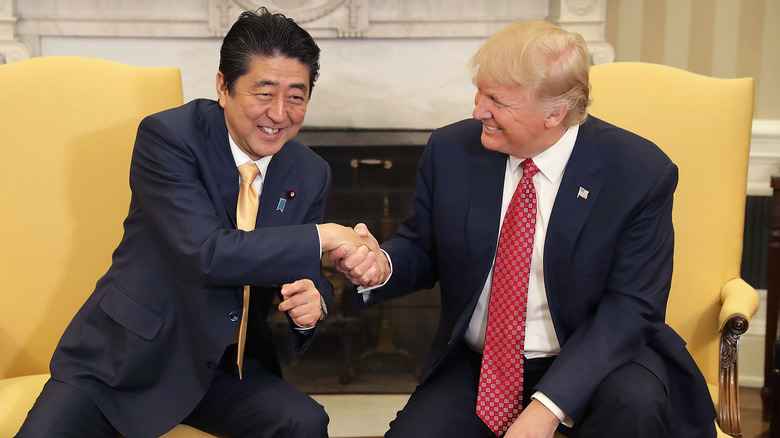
704, 125
67, 126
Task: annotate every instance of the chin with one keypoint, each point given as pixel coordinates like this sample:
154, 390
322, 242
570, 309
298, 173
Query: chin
489, 143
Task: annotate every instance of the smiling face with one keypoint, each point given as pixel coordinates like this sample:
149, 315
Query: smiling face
511, 123
267, 105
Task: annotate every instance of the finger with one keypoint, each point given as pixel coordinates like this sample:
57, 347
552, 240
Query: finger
339, 253
358, 257
294, 301
363, 267
369, 277
291, 289
289, 302
362, 230
303, 308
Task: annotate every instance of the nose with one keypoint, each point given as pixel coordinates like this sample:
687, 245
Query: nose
277, 111
481, 110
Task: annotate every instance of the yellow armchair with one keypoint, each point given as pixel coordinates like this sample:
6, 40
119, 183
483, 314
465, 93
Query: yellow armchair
704, 125
68, 125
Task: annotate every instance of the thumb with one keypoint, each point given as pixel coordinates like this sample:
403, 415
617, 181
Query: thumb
362, 230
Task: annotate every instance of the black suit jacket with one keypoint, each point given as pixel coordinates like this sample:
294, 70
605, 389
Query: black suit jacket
145, 344
607, 259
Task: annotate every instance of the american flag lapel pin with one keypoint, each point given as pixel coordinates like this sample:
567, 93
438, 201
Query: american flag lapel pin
582, 193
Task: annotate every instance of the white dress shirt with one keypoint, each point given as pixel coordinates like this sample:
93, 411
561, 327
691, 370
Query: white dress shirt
540, 338
240, 157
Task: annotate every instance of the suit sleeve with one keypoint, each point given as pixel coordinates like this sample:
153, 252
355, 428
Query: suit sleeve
169, 180
412, 249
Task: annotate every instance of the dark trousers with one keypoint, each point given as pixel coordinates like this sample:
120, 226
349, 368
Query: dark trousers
631, 402
260, 405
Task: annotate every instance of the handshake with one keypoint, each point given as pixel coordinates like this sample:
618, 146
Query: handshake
356, 253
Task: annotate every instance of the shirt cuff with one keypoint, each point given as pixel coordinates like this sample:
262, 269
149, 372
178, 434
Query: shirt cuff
319, 238
366, 291
562, 417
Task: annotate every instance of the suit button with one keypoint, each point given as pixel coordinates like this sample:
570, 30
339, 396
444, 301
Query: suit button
211, 365
233, 316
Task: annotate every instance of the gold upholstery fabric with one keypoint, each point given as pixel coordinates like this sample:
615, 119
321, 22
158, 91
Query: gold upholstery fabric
704, 125
68, 125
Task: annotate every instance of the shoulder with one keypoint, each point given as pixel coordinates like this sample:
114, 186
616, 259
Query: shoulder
464, 131
618, 147
302, 155
459, 141
193, 110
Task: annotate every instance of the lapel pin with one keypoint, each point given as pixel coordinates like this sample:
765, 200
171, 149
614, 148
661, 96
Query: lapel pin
582, 193
283, 201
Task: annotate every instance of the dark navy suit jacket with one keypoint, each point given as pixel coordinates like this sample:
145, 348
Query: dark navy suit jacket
607, 260
145, 344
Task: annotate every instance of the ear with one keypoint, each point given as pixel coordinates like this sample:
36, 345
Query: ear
555, 118
222, 90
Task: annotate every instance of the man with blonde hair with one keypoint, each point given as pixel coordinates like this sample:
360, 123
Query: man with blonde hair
550, 234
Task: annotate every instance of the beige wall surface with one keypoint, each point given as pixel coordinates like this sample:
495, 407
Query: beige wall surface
721, 38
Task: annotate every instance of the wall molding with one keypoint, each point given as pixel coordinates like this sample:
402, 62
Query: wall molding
340, 19
751, 347
11, 49
764, 156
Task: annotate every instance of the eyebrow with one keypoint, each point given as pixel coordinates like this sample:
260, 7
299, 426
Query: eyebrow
264, 82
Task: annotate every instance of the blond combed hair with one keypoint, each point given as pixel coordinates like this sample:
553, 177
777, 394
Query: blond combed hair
552, 63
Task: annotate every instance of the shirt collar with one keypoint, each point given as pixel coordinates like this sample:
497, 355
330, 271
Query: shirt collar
552, 162
240, 157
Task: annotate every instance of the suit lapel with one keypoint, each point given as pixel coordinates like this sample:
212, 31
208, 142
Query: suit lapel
222, 164
486, 182
578, 192
277, 182
485, 194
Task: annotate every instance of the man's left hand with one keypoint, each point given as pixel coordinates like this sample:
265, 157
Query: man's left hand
536, 421
301, 300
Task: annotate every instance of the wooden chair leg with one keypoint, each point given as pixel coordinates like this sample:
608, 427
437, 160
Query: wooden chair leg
728, 399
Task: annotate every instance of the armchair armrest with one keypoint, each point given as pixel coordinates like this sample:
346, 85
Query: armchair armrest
737, 299
739, 303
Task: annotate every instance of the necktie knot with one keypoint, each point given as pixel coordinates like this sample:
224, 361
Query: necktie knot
248, 172
529, 168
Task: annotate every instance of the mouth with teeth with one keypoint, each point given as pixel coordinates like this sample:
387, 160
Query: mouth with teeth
269, 131
491, 128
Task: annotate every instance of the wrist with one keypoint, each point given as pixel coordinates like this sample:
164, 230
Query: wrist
327, 232
323, 309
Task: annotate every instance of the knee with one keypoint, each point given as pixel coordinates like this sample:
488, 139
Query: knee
639, 404
310, 419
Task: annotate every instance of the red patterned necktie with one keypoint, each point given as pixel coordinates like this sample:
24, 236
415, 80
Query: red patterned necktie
500, 396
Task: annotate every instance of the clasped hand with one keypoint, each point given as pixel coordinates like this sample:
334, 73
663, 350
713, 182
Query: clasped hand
355, 253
